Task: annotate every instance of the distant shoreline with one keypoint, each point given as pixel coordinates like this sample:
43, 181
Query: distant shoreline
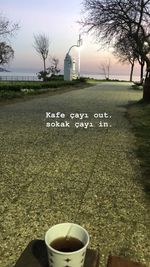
33, 75
4, 70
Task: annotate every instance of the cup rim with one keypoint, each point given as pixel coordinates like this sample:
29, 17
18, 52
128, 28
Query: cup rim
68, 253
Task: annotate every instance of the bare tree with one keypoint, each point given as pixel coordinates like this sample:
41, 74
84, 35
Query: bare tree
7, 28
105, 67
53, 69
6, 53
111, 20
125, 52
41, 45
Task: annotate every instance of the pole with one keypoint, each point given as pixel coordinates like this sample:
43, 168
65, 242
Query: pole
79, 63
79, 43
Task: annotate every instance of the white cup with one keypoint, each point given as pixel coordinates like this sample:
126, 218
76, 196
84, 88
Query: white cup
58, 258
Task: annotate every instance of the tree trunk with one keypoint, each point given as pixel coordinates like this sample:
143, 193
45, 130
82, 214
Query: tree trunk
44, 76
44, 64
131, 72
146, 89
142, 71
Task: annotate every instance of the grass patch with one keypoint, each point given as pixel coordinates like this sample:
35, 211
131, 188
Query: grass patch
18, 86
139, 116
12, 90
137, 87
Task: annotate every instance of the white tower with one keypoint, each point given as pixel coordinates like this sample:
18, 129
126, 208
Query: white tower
68, 67
69, 64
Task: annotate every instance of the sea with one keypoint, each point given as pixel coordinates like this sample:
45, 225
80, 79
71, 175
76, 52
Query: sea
32, 76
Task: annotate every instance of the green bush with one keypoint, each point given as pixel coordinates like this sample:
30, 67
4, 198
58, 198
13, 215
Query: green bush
9, 90
17, 86
9, 94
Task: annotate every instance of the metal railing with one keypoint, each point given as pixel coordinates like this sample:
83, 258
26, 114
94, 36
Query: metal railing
18, 78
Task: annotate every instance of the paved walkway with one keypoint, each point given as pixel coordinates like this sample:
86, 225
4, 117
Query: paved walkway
86, 175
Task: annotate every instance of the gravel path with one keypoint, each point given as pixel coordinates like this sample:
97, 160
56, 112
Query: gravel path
88, 175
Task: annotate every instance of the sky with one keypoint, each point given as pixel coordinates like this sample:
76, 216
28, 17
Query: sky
59, 21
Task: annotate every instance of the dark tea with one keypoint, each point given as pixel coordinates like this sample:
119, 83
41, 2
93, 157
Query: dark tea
68, 244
